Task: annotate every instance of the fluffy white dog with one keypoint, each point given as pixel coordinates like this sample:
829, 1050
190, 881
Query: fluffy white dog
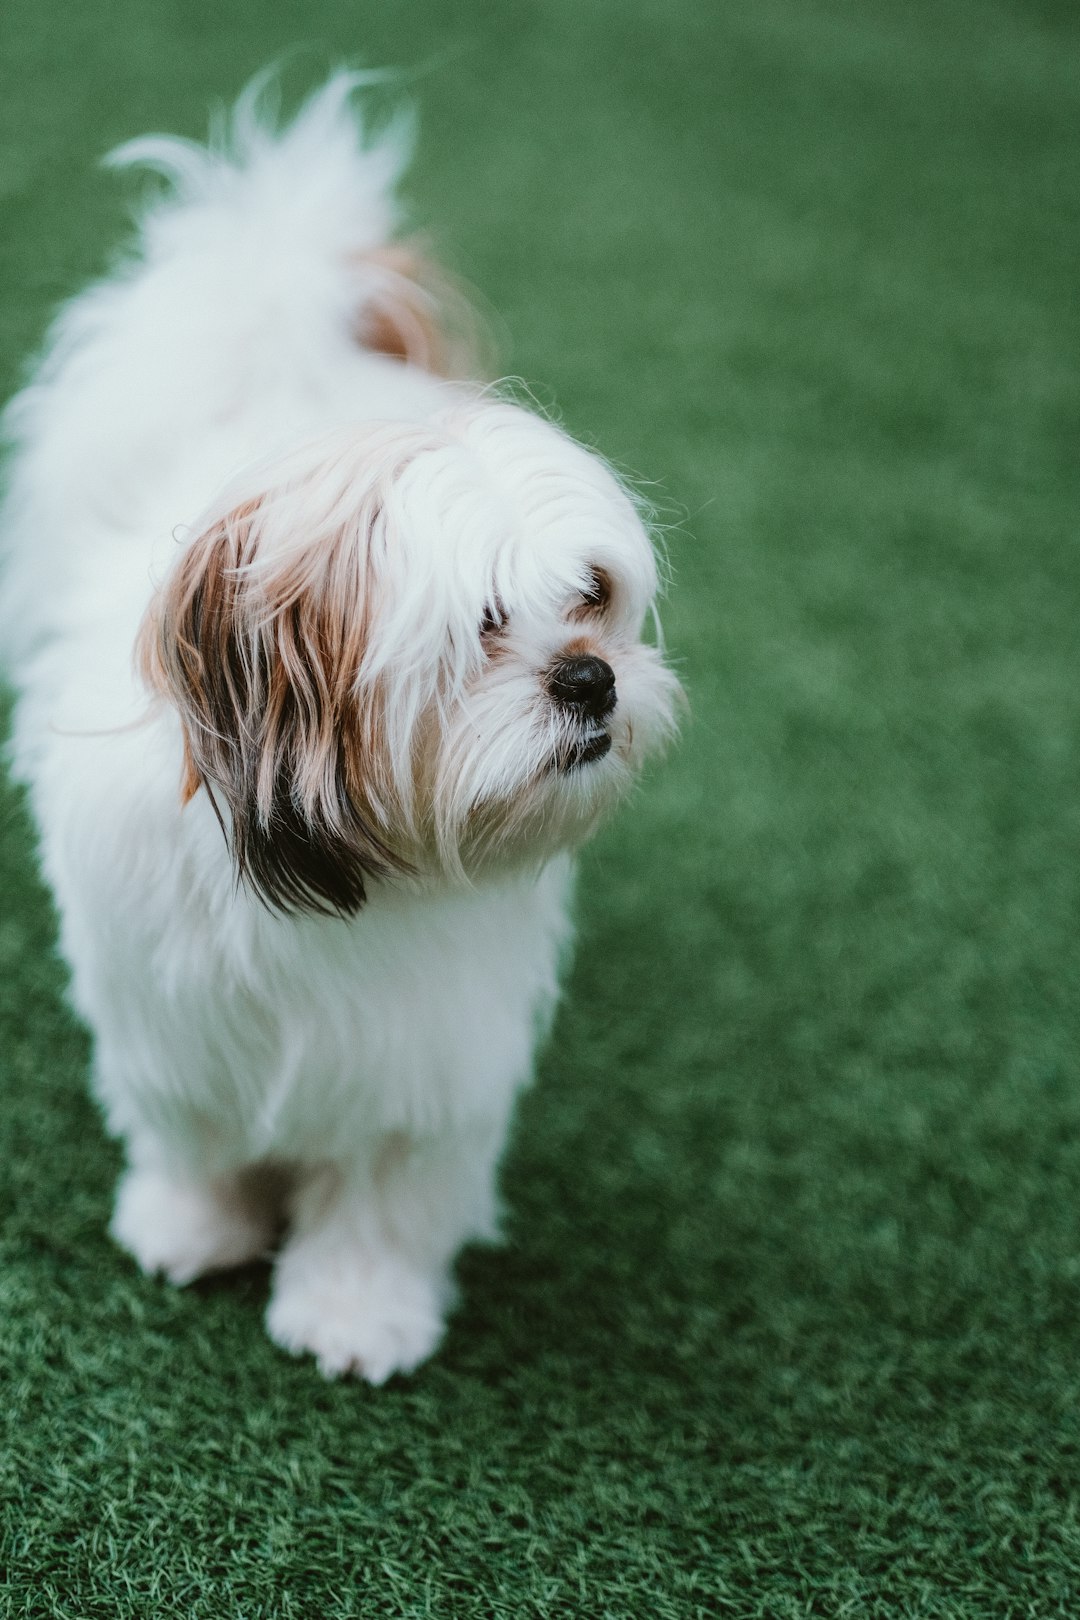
324, 663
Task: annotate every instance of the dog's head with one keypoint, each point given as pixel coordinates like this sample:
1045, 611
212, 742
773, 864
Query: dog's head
415, 648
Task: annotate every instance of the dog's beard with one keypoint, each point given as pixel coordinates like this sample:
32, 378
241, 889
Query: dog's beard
517, 777
585, 749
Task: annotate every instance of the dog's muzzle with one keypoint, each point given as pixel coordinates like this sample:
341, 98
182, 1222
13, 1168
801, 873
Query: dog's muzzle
584, 686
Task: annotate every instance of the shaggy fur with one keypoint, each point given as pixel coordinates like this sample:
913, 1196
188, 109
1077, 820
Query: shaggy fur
325, 663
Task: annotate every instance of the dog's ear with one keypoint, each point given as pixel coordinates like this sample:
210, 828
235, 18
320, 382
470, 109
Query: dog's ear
261, 660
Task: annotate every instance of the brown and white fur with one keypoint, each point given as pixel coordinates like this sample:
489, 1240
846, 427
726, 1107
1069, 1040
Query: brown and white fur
325, 663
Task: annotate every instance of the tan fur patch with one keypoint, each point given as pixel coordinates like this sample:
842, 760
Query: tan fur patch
580, 647
419, 314
261, 668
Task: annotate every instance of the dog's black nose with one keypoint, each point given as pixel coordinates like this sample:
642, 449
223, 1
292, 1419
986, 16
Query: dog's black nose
586, 684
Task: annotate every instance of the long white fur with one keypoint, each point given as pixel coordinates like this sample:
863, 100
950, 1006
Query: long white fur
367, 1063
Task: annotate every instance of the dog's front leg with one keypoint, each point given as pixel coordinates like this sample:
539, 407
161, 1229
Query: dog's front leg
364, 1279
184, 1225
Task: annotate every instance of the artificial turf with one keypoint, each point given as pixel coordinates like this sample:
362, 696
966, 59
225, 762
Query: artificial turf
789, 1319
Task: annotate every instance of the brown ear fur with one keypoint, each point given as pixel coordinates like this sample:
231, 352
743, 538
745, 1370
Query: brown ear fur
415, 312
261, 666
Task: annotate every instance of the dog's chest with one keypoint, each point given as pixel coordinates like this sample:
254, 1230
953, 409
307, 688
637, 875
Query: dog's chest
415, 1016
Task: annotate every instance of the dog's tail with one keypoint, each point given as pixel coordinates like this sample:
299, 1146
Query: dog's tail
292, 234
266, 252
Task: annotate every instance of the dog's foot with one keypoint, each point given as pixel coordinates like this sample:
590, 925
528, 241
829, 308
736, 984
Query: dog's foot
369, 1319
185, 1229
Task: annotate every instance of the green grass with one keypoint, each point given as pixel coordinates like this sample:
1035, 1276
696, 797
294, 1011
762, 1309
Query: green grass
789, 1321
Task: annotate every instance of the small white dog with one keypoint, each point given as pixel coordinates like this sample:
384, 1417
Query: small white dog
324, 664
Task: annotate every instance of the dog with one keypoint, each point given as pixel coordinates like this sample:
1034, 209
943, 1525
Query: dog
327, 659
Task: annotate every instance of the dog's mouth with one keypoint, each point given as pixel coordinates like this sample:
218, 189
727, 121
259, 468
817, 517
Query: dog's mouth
584, 751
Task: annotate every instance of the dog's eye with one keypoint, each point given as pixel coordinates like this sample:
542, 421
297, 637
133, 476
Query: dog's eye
596, 597
494, 619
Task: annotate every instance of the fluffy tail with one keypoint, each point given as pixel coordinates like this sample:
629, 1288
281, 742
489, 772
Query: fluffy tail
294, 229
267, 250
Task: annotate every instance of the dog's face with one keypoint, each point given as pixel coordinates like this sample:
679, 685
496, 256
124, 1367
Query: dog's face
414, 649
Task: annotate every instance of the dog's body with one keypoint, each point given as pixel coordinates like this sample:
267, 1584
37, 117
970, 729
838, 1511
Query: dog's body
383, 616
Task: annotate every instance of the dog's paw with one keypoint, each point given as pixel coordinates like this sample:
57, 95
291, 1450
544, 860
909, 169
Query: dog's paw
184, 1229
372, 1320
